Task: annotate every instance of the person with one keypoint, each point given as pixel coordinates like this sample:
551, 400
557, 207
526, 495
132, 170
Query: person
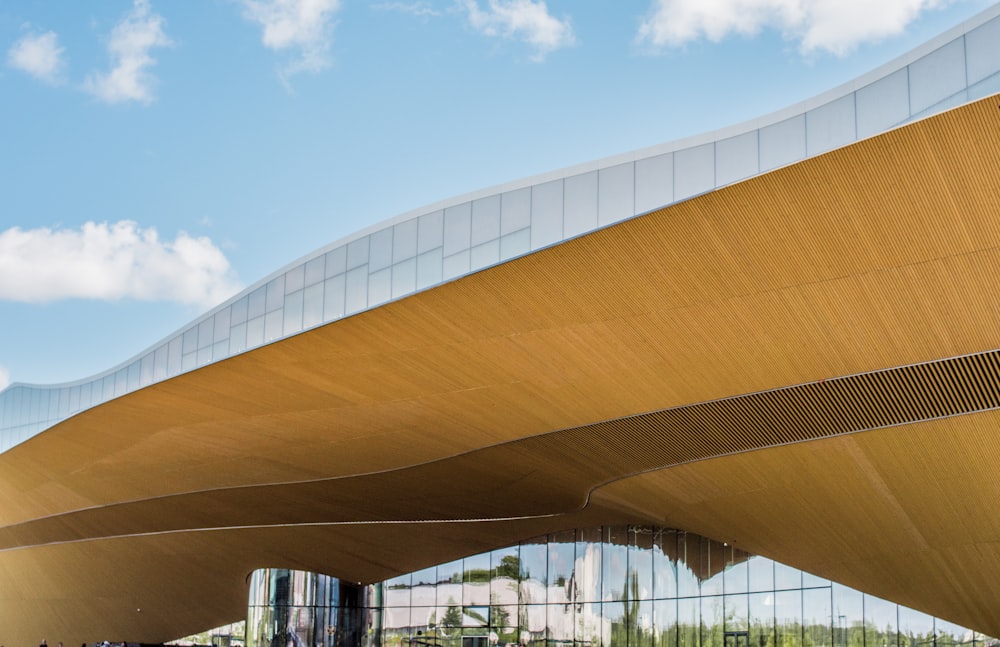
43, 643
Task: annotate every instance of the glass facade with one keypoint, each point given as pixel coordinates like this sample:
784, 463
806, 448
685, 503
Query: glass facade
298, 609
616, 586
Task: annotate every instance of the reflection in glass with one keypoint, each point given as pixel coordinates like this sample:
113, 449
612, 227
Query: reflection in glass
615, 560
588, 565
665, 623
665, 564
641, 620
562, 554
788, 618
712, 626
880, 622
688, 564
533, 623
615, 616
761, 574
423, 589
713, 563
816, 626
476, 580
951, 635
688, 622
505, 574
761, 619
736, 571
589, 625
534, 571
786, 577
546, 592
848, 617
737, 613
640, 563
561, 623
916, 629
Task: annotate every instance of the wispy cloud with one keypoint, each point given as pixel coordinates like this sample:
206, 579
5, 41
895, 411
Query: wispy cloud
836, 26
38, 55
419, 8
527, 20
129, 46
301, 28
112, 261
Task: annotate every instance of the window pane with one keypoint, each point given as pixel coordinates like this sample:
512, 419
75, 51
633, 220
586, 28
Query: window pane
615, 560
423, 592
688, 562
880, 622
788, 618
688, 622
532, 623
736, 573
786, 577
476, 580
589, 625
534, 569
505, 568
761, 574
562, 549
561, 623
396, 591
916, 629
712, 625
761, 619
614, 616
713, 563
737, 612
640, 563
588, 565
665, 623
641, 623
816, 617
665, 564
848, 617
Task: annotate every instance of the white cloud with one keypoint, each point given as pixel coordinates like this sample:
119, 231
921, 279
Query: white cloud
129, 45
112, 261
39, 55
4, 378
303, 27
836, 26
527, 20
418, 8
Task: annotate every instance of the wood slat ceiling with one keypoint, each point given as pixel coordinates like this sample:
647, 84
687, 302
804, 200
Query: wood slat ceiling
636, 373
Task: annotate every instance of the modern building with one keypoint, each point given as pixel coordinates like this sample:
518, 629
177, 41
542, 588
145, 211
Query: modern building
782, 336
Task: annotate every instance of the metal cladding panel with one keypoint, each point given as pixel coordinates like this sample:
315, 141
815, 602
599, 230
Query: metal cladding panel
883, 104
937, 76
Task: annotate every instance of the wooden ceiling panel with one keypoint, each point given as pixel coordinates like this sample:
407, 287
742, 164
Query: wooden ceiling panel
698, 367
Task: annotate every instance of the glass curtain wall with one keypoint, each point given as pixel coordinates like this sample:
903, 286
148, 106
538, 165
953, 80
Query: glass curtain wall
619, 586
299, 609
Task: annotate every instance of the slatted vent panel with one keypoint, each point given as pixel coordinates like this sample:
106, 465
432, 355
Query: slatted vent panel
805, 412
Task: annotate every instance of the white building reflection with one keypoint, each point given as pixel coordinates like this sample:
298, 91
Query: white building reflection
621, 586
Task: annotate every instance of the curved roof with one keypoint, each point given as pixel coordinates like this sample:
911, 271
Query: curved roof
803, 364
453, 238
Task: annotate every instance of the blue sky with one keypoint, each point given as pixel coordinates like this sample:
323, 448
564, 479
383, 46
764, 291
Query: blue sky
157, 156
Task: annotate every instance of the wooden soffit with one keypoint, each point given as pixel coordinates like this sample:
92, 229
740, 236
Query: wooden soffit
740, 365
